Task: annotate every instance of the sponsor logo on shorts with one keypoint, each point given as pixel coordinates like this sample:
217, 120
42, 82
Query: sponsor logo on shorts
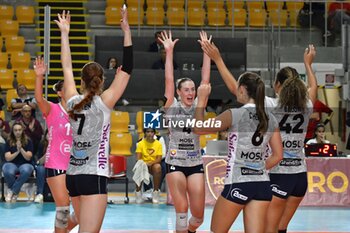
275, 189
172, 168
236, 193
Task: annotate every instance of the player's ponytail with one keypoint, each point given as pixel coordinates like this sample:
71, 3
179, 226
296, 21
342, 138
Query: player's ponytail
256, 90
92, 81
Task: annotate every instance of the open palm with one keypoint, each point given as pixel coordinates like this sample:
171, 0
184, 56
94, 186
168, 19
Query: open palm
63, 21
167, 41
39, 66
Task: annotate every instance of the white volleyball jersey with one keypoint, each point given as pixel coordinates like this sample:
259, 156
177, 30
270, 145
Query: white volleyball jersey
90, 149
246, 150
293, 127
184, 149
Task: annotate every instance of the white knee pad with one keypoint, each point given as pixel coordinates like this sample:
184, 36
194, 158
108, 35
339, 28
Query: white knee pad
181, 222
62, 215
196, 222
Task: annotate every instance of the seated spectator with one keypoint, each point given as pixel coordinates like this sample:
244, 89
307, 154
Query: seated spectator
319, 135
160, 64
148, 189
339, 13
23, 99
316, 118
32, 127
156, 44
18, 161
149, 150
112, 63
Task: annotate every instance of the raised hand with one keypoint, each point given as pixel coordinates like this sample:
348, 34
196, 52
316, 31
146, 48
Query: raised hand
211, 50
124, 23
39, 67
309, 55
167, 41
63, 22
204, 38
203, 91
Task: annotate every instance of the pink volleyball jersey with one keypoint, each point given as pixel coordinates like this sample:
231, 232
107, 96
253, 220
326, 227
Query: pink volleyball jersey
59, 137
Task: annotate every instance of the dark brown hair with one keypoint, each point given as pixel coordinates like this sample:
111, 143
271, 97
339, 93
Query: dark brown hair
256, 90
293, 95
92, 77
58, 86
13, 139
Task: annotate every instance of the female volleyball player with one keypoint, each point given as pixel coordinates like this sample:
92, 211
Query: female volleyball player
292, 108
89, 114
185, 176
58, 149
250, 131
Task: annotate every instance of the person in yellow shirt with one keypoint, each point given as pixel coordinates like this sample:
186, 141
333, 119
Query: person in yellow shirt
149, 150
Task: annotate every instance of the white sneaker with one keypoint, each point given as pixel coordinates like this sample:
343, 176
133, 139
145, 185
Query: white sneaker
9, 195
147, 195
155, 197
14, 198
138, 197
39, 198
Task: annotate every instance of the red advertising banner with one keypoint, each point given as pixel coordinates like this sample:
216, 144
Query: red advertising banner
328, 181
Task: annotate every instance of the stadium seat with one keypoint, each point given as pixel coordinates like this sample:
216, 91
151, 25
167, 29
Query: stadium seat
135, 15
113, 15
155, 3
139, 122
195, 4
239, 18
9, 28
235, 4
175, 4
120, 143
2, 115
176, 16
115, 3
120, 122
251, 5
20, 60
25, 14
6, 12
214, 4
278, 17
14, 44
274, 5
10, 94
294, 5
155, 15
26, 77
135, 3
4, 60
207, 137
216, 16
257, 18
6, 78
196, 16
118, 173
293, 18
